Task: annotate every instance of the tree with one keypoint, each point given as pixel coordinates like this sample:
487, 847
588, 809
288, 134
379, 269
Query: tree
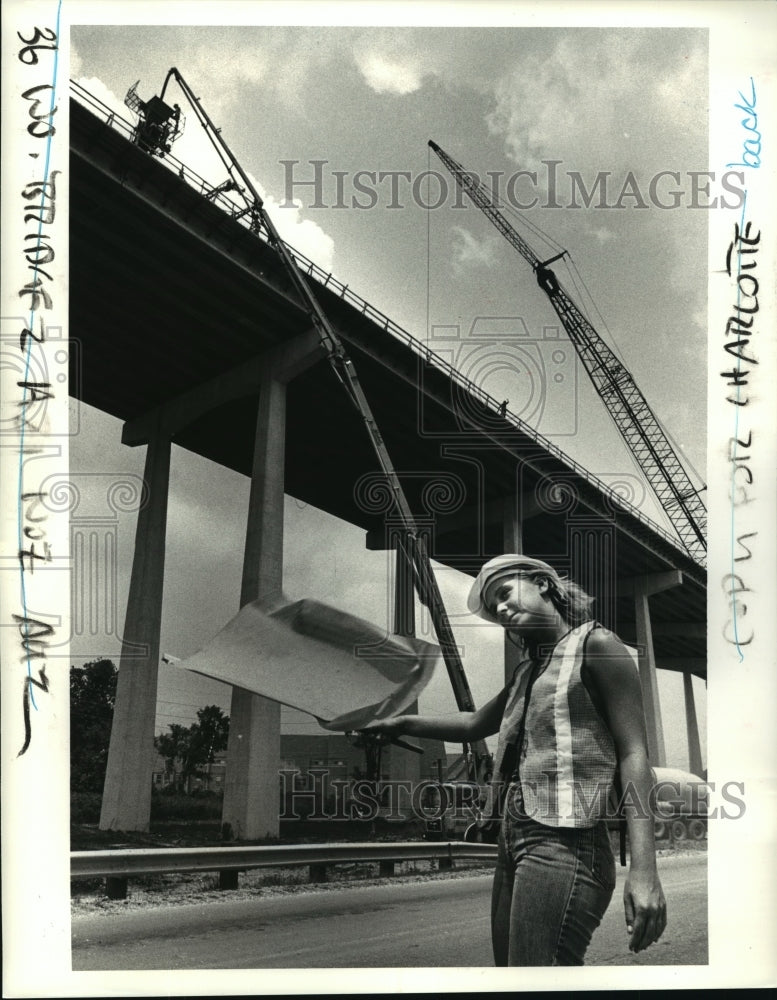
92, 697
209, 734
174, 746
197, 746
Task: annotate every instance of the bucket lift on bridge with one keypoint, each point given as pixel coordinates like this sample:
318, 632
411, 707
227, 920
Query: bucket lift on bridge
159, 125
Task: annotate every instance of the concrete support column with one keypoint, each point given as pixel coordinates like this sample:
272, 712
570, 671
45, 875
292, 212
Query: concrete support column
404, 594
405, 765
695, 765
640, 588
251, 787
126, 802
591, 547
649, 680
512, 541
512, 529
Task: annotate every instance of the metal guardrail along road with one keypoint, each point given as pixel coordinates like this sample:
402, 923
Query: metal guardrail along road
118, 866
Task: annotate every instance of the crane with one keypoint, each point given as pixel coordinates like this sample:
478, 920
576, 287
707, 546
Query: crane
631, 412
166, 122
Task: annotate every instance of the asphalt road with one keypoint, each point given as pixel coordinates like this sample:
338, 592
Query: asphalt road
440, 923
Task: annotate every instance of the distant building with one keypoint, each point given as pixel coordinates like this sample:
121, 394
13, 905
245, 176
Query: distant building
330, 752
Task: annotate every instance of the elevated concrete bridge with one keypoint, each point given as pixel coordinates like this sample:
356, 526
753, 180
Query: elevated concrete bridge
191, 334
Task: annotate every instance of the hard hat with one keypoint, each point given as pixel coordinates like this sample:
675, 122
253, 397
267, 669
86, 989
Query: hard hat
506, 565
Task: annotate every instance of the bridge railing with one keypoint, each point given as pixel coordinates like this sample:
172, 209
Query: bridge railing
422, 350
120, 865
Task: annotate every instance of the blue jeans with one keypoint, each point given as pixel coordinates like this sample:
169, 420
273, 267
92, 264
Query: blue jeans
551, 888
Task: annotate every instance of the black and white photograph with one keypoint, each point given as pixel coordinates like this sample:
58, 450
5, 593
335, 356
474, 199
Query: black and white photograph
388, 497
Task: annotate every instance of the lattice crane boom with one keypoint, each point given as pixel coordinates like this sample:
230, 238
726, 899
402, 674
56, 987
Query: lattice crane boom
629, 409
414, 542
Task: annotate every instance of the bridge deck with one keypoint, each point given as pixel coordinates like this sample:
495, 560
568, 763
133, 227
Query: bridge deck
168, 291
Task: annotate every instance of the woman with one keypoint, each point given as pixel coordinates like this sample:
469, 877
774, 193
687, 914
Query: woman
570, 722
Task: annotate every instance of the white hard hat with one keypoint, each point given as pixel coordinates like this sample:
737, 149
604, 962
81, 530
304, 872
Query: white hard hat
506, 565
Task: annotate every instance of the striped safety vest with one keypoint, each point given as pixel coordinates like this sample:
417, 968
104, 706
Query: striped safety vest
566, 763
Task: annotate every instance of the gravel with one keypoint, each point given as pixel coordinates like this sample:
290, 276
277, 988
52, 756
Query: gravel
88, 896
175, 890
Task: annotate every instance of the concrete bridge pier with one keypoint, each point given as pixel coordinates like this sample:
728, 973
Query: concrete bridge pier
251, 788
591, 546
512, 541
252, 776
695, 765
126, 802
404, 593
250, 810
640, 588
405, 765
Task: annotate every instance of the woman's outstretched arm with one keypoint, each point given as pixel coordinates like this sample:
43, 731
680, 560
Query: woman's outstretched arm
457, 728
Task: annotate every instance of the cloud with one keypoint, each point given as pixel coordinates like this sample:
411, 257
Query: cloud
76, 63
541, 101
467, 249
302, 234
97, 89
603, 235
196, 151
387, 76
234, 64
395, 61
607, 99
676, 92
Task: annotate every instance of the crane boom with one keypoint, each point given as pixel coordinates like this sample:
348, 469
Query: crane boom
413, 543
629, 409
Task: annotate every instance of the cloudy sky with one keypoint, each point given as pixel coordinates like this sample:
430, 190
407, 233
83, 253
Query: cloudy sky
611, 107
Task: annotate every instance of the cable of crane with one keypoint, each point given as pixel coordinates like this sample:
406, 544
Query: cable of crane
633, 415
428, 243
498, 203
342, 366
577, 280
567, 260
572, 269
540, 233
526, 221
678, 447
570, 264
615, 347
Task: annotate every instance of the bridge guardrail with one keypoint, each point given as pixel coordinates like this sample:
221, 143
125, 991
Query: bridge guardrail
376, 316
117, 866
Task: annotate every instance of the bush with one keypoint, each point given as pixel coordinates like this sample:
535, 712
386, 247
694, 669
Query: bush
168, 791
165, 805
171, 806
85, 807
206, 793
